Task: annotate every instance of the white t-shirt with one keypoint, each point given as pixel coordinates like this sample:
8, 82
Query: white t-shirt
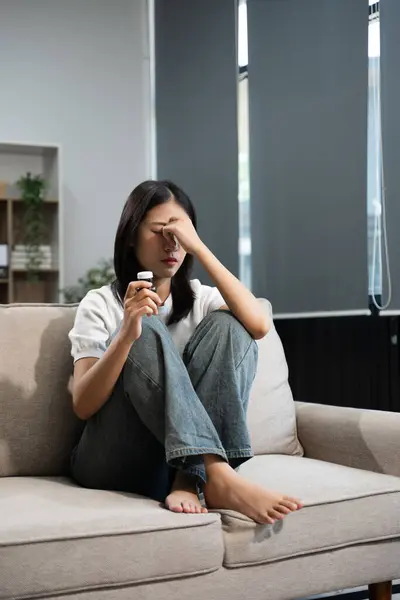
99, 315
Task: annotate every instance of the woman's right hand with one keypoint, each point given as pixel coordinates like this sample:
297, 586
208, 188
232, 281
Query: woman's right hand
139, 301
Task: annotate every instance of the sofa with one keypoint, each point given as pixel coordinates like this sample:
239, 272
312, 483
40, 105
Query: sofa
58, 540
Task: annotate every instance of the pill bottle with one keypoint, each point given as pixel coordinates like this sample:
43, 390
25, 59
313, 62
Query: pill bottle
147, 276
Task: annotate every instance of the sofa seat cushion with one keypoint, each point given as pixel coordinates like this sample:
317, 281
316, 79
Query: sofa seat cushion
56, 537
343, 507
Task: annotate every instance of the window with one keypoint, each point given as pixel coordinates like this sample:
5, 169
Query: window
374, 199
243, 129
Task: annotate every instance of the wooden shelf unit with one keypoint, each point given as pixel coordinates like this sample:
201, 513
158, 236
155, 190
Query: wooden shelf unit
15, 161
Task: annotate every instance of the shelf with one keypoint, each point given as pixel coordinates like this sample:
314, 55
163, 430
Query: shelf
38, 271
19, 283
27, 149
20, 201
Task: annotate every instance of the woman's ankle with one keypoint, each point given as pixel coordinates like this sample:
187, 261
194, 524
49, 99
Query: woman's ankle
215, 464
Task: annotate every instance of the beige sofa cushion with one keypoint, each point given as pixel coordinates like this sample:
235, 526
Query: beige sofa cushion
37, 425
56, 537
271, 413
343, 507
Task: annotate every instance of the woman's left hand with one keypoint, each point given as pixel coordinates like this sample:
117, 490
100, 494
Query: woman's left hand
185, 233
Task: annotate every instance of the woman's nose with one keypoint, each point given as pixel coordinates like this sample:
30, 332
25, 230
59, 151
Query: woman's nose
171, 243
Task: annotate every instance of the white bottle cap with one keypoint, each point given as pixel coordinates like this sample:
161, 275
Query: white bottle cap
145, 275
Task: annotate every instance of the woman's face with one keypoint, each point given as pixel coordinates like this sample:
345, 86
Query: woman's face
154, 251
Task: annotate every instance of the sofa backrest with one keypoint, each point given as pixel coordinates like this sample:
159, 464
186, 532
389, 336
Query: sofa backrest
37, 426
38, 429
271, 414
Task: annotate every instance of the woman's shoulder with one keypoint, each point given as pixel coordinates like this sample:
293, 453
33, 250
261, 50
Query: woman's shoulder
196, 286
200, 289
100, 298
96, 319
207, 298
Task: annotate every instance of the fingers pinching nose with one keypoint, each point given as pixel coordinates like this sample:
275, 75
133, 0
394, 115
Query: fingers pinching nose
170, 236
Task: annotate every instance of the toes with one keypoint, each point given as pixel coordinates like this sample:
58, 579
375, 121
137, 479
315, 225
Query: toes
290, 503
190, 507
263, 519
274, 514
297, 502
177, 508
197, 509
282, 509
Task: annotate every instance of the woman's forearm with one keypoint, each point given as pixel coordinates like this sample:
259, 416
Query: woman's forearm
237, 297
92, 388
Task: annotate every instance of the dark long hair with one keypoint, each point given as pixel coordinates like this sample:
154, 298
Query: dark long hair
143, 198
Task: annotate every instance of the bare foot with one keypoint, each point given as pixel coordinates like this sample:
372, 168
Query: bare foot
226, 489
183, 497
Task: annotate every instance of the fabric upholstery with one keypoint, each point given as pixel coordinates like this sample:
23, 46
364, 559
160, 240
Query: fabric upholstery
55, 536
61, 541
343, 507
365, 439
298, 577
271, 412
37, 425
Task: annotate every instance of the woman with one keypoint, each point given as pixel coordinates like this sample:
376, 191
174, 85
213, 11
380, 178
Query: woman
163, 379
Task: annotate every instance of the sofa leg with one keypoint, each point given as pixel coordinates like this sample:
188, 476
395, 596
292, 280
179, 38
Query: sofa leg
380, 591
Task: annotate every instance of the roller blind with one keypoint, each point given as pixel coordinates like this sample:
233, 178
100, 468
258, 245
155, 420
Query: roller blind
308, 85
196, 113
390, 102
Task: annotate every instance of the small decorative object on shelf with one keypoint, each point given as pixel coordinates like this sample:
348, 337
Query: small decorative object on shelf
20, 258
32, 190
3, 261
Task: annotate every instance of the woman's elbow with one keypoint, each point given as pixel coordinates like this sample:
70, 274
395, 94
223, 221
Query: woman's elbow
79, 407
261, 329
78, 410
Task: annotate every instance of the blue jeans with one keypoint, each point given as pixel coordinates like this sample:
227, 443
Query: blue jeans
166, 412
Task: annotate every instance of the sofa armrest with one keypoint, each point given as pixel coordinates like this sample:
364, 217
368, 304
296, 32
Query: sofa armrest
364, 439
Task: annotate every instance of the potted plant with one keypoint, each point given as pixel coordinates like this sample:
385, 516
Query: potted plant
96, 277
32, 190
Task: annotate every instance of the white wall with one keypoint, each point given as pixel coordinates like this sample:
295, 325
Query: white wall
77, 73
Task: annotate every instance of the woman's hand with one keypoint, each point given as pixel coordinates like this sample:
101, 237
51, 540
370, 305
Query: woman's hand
139, 301
185, 233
